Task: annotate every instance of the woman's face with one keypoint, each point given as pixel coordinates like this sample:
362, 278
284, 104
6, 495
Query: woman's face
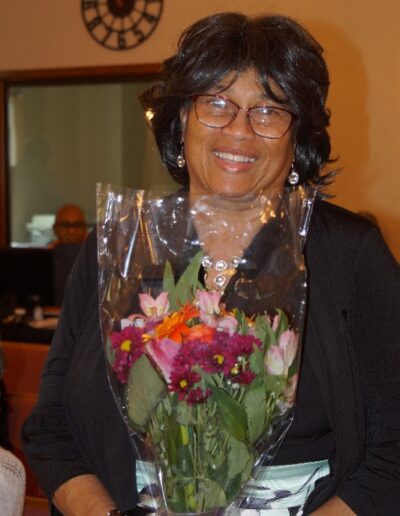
233, 161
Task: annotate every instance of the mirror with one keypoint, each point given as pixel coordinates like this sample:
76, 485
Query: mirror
63, 139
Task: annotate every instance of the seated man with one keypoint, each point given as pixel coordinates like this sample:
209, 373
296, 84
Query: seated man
70, 225
71, 229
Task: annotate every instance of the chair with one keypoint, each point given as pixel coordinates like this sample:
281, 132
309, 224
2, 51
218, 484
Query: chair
24, 364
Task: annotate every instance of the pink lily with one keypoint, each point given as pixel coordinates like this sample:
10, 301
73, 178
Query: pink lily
154, 307
275, 322
289, 394
290, 391
208, 302
279, 358
274, 361
228, 324
288, 341
163, 352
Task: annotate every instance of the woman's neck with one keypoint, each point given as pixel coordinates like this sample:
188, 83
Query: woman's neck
226, 229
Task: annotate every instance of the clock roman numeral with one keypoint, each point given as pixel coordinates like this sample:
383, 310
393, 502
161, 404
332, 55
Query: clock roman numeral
138, 33
108, 34
93, 24
121, 41
149, 17
89, 4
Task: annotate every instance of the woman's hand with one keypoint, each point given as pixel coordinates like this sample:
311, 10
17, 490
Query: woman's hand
334, 507
83, 495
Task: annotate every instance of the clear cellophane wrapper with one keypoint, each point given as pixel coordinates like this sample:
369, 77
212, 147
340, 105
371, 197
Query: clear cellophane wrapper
205, 378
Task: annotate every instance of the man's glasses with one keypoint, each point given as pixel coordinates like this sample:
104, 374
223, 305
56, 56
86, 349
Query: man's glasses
70, 225
266, 121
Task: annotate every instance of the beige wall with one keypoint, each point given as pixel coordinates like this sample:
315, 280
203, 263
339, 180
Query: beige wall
362, 51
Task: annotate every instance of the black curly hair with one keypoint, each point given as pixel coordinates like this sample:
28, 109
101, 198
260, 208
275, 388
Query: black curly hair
278, 48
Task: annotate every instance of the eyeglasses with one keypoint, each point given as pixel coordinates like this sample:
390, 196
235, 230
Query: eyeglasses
68, 225
266, 121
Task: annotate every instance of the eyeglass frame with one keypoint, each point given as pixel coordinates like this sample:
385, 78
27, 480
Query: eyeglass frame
247, 111
70, 225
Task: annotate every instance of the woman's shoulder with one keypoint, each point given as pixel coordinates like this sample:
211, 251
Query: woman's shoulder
337, 218
340, 236
340, 227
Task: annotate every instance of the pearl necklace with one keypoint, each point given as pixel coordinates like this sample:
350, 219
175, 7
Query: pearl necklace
225, 269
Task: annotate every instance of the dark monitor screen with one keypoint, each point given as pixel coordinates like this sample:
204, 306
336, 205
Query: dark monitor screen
26, 272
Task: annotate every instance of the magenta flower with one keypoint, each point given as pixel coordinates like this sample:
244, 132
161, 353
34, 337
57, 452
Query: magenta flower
154, 307
127, 346
182, 382
245, 377
197, 395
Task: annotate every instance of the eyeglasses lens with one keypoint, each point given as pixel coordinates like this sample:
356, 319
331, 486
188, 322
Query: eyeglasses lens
266, 121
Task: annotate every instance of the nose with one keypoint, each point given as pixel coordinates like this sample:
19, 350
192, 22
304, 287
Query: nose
240, 127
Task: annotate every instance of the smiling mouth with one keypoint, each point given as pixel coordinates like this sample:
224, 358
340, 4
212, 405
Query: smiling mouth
235, 158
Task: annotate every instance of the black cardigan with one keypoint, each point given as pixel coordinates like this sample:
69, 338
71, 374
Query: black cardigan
353, 337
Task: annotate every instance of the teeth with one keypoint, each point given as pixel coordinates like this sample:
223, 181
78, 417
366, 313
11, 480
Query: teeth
234, 157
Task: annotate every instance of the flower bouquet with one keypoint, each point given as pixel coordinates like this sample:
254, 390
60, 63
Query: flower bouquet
206, 380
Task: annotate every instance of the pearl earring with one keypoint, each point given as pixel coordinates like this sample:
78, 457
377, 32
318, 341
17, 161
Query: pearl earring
180, 159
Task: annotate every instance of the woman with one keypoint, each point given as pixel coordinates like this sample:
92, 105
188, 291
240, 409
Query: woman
240, 110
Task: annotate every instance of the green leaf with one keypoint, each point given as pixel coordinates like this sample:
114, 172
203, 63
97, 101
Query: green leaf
264, 331
184, 413
172, 441
168, 278
243, 326
254, 403
275, 384
240, 464
184, 461
145, 389
233, 416
256, 360
110, 353
283, 324
187, 283
217, 467
214, 495
233, 487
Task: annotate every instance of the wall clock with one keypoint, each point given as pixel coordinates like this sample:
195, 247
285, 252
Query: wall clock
121, 24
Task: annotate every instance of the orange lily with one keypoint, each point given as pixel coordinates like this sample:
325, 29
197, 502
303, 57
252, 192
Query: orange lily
174, 326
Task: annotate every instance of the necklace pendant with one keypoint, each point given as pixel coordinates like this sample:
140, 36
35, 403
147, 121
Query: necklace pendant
219, 281
224, 269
